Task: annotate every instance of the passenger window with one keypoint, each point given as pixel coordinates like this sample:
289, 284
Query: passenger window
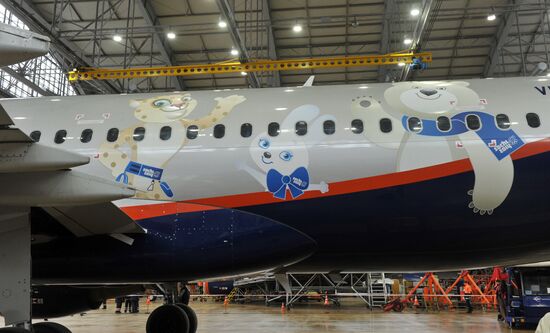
329, 127
86, 135
192, 132
533, 120
60, 136
415, 124
301, 128
273, 129
165, 133
443, 124
219, 131
503, 122
139, 133
112, 134
246, 130
357, 126
385, 125
35, 136
473, 122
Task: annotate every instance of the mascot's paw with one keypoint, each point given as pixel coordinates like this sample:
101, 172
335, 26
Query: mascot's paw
231, 100
122, 178
477, 210
323, 187
166, 189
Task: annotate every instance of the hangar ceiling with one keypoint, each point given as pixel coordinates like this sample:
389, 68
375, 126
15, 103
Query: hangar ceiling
464, 42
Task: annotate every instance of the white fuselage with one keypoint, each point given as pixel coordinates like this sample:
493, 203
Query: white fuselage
207, 166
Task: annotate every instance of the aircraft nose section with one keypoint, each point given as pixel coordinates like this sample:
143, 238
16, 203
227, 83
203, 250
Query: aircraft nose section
209, 243
227, 241
258, 241
428, 92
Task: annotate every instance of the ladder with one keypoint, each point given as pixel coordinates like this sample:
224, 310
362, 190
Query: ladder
378, 295
232, 294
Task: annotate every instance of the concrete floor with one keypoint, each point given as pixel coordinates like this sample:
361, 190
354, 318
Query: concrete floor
302, 319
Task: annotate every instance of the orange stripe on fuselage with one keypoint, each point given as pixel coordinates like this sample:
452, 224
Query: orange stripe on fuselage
336, 188
169, 208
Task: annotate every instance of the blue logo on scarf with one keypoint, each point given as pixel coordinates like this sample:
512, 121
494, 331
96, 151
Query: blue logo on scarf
297, 182
146, 171
501, 142
143, 170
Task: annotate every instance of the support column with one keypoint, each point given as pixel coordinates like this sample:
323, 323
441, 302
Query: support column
15, 266
282, 279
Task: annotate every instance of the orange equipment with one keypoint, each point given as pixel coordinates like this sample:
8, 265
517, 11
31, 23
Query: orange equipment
491, 287
147, 303
467, 289
225, 303
326, 300
469, 280
435, 290
283, 308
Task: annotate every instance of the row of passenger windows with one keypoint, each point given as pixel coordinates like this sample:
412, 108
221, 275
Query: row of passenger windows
473, 122
273, 129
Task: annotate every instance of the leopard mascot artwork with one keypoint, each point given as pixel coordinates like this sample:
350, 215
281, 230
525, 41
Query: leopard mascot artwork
126, 155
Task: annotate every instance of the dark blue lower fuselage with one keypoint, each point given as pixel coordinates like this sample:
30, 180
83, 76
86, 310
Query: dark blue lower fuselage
421, 226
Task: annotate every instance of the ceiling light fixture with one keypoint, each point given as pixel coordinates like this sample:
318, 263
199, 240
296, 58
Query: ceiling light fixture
415, 12
117, 38
243, 73
171, 35
234, 52
407, 41
491, 17
222, 24
297, 28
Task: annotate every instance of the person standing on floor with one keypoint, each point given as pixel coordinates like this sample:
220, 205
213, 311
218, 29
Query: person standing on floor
127, 304
468, 297
118, 304
134, 301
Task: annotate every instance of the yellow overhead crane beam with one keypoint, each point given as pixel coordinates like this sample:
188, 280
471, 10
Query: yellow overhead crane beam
85, 74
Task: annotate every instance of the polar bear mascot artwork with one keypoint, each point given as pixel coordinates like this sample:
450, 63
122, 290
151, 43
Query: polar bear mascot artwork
440, 122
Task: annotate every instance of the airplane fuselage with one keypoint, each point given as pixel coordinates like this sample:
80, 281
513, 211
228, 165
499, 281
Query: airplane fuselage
393, 177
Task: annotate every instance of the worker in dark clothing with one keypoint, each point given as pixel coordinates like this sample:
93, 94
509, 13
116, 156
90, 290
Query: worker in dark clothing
127, 304
459, 286
185, 295
468, 297
118, 304
134, 304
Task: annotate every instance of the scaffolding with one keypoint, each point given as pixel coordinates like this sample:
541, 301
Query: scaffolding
373, 289
41, 76
403, 59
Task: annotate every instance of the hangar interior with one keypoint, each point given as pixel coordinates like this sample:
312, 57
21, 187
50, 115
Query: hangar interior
467, 39
464, 43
